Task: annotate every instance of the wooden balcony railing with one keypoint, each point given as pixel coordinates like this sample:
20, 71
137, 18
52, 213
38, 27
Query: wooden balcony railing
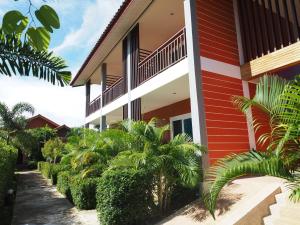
94, 105
171, 52
114, 91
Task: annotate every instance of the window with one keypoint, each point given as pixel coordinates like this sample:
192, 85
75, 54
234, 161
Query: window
181, 124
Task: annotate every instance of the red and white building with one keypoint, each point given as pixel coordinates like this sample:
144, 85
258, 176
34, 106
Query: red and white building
182, 60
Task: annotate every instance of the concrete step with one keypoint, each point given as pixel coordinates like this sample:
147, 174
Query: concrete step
274, 209
282, 198
268, 220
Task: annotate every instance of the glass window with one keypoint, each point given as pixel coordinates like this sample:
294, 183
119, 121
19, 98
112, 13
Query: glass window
182, 125
177, 127
188, 128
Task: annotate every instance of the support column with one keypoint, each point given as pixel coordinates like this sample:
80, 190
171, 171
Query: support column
124, 59
87, 97
195, 78
129, 75
103, 88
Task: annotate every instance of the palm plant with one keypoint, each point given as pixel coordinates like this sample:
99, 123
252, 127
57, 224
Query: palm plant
170, 162
280, 101
13, 121
20, 58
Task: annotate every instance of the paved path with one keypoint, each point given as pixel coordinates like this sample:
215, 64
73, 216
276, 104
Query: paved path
38, 202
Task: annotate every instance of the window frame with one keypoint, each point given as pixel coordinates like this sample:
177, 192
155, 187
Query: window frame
181, 117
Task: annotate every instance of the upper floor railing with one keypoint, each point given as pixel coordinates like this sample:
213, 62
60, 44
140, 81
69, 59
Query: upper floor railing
114, 91
168, 54
267, 26
164, 57
94, 105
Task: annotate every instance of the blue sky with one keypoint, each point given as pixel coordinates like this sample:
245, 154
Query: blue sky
82, 22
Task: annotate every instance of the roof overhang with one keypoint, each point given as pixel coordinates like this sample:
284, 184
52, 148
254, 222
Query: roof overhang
124, 19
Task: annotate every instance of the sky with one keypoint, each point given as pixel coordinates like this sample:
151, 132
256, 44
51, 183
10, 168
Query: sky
82, 22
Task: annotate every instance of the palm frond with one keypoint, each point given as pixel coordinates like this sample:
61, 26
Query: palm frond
17, 58
234, 166
268, 90
21, 108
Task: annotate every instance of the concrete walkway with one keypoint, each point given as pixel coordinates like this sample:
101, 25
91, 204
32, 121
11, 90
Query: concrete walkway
38, 202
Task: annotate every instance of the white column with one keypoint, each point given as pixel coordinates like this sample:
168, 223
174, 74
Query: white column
129, 76
102, 89
195, 77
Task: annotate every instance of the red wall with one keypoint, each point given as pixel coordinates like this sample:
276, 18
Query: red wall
227, 130
172, 110
216, 27
166, 112
226, 126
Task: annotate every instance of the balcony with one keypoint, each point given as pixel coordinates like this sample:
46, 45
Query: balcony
94, 106
151, 63
168, 54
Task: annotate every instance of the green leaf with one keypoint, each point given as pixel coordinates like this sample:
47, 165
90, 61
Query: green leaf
39, 38
48, 18
14, 22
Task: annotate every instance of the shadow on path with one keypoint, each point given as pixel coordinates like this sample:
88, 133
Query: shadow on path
38, 202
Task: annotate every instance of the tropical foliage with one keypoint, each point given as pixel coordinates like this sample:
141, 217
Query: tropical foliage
177, 160
31, 141
13, 121
53, 150
279, 100
127, 156
8, 156
20, 58
24, 46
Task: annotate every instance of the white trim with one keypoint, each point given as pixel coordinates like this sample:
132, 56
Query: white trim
219, 67
179, 117
249, 117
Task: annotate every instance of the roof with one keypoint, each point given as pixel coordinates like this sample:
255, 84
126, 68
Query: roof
109, 27
63, 126
44, 118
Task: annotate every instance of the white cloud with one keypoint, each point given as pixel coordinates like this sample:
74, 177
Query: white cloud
95, 18
63, 105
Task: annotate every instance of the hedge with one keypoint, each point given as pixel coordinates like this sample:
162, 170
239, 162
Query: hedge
124, 197
83, 192
51, 171
45, 169
63, 184
55, 170
8, 157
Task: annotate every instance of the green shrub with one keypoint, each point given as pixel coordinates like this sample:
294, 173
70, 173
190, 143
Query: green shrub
63, 184
55, 170
45, 169
53, 150
83, 192
8, 157
124, 197
93, 171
